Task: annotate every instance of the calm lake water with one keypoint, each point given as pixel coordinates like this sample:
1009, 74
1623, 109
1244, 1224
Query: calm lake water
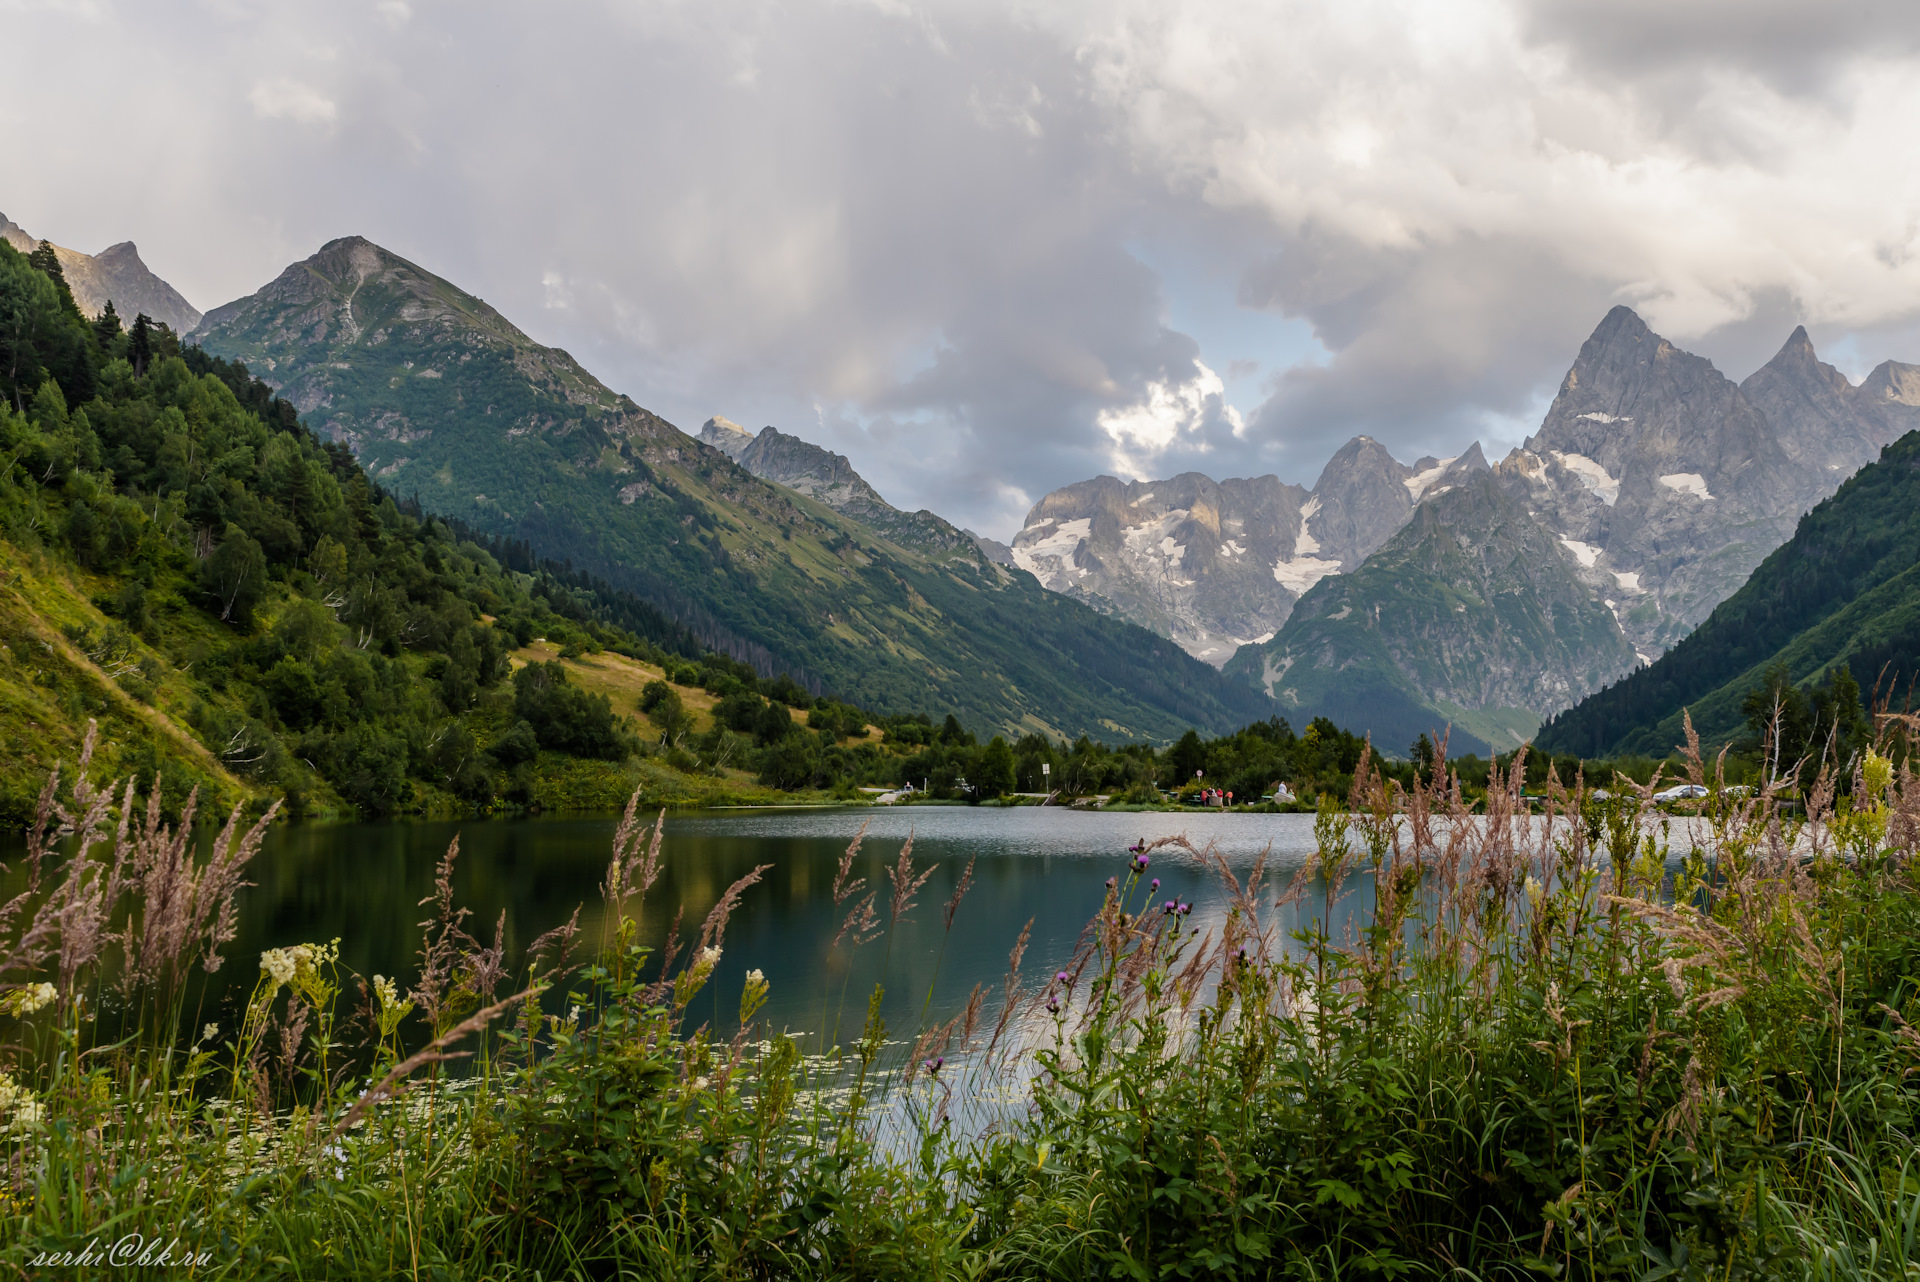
363, 883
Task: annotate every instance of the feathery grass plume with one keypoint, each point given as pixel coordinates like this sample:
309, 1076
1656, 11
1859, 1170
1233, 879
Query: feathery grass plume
959, 893
1012, 996
844, 889
443, 940
186, 908
555, 946
906, 883
714, 928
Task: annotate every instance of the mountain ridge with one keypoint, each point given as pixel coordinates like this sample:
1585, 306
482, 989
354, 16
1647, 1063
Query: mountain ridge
114, 274
439, 396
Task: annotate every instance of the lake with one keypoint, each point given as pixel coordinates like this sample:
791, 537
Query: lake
363, 883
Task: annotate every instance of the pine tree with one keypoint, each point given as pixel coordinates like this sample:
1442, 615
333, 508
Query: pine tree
46, 260
107, 327
140, 348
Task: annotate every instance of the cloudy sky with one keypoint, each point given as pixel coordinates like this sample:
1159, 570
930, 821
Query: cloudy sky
990, 248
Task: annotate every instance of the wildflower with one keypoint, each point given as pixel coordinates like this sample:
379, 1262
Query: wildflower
1053, 1005
710, 956
753, 995
280, 965
1112, 882
18, 1101
210, 1032
1536, 893
1154, 885
1185, 909
1877, 773
935, 1064
1062, 977
26, 1000
1140, 862
1170, 906
392, 1009
700, 1083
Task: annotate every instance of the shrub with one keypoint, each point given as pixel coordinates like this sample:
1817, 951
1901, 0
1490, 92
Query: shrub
563, 716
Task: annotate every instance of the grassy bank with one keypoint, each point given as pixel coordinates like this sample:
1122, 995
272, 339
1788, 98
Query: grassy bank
1545, 1052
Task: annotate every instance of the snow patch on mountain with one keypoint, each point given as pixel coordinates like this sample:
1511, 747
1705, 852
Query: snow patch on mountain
1687, 483
1585, 553
1302, 572
1050, 558
1604, 485
1418, 484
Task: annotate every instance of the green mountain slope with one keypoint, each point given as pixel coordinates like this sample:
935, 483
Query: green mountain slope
1844, 590
441, 398
1471, 616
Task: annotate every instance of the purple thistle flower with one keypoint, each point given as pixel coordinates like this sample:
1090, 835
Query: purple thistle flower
1062, 977
1171, 906
1155, 885
1185, 909
1053, 1005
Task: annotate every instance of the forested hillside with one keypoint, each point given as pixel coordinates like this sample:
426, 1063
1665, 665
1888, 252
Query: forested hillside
1844, 591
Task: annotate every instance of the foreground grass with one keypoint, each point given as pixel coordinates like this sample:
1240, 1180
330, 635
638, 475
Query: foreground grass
1541, 1054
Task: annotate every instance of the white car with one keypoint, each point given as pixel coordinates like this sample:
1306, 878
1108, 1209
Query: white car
1681, 792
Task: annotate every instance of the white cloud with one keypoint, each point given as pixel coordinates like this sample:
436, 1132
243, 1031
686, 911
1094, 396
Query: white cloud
1170, 413
285, 99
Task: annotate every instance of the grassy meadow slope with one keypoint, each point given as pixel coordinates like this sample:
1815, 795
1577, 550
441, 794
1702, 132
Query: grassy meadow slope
1844, 590
441, 398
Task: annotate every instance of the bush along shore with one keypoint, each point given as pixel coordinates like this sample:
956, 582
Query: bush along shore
1548, 1049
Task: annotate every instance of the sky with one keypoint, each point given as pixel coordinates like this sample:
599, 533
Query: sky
987, 249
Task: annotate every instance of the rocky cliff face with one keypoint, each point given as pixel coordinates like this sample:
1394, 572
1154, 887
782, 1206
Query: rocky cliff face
114, 274
1823, 424
1666, 482
1196, 560
1215, 565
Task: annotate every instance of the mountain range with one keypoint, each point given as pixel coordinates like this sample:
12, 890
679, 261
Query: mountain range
115, 275
1389, 596
1653, 488
442, 399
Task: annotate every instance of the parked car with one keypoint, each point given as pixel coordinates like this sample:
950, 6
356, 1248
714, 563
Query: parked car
1681, 792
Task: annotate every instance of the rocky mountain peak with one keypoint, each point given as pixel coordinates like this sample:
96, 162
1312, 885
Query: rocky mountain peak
1361, 498
727, 436
1816, 416
116, 275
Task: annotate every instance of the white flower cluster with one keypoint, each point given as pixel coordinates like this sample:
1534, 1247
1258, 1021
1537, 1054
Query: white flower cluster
18, 1104
283, 963
383, 989
709, 957
26, 1000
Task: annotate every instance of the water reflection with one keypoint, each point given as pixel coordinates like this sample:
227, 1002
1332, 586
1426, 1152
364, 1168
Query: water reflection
364, 883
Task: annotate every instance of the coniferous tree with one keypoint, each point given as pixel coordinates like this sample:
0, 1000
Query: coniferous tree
107, 327
140, 345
